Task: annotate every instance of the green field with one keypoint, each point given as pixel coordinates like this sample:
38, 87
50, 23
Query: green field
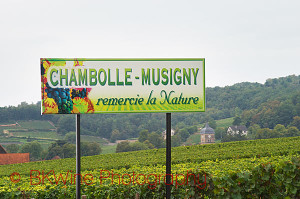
225, 122
27, 131
247, 169
45, 143
88, 138
193, 139
2, 128
108, 149
39, 134
12, 139
44, 133
36, 124
30, 125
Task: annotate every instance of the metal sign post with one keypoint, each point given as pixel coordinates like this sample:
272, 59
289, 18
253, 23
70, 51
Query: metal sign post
78, 175
168, 156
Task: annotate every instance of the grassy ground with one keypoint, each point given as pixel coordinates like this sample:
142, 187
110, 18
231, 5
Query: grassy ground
22, 140
45, 144
221, 123
225, 122
193, 139
11, 139
36, 124
31, 125
37, 134
87, 138
42, 131
28, 131
8, 128
108, 149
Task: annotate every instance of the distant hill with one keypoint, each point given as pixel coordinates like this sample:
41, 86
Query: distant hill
248, 95
222, 102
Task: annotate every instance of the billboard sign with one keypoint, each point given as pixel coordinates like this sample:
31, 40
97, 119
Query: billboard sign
73, 86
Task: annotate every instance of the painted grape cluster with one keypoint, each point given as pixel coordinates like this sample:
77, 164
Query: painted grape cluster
61, 97
79, 93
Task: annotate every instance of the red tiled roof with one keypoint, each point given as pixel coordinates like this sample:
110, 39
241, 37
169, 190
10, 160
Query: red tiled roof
14, 158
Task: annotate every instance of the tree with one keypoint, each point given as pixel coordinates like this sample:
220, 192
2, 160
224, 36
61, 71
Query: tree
212, 124
236, 121
123, 147
180, 125
263, 133
115, 135
252, 131
279, 131
54, 151
90, 148
44, 154
66, 124
237, 111
126, 146
184, 134
220, 133
137, 146
71, 137
176, 140
62, 149
12, 148
292, 132
105, 127
68, 150
247, 117
286, 112
296, 122
236, 137
59, 143
156, 139
33, 148
192, 129
143, 135
148, 144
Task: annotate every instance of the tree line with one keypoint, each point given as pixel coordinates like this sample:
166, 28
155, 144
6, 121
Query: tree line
61, 148
274, 102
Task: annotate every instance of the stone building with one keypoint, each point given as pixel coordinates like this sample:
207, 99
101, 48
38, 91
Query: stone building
207, 135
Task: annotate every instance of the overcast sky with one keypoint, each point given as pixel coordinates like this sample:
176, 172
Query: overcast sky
240, 40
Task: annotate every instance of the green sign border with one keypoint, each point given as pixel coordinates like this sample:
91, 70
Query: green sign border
138, 59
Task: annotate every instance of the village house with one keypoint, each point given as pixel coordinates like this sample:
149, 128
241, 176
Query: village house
164, 133
12, 158
234, 130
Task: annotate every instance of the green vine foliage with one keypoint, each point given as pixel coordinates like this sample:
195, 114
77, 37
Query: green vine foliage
249, 169
281, 180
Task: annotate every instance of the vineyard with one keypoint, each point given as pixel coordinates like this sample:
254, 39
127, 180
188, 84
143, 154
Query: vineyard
267, 168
